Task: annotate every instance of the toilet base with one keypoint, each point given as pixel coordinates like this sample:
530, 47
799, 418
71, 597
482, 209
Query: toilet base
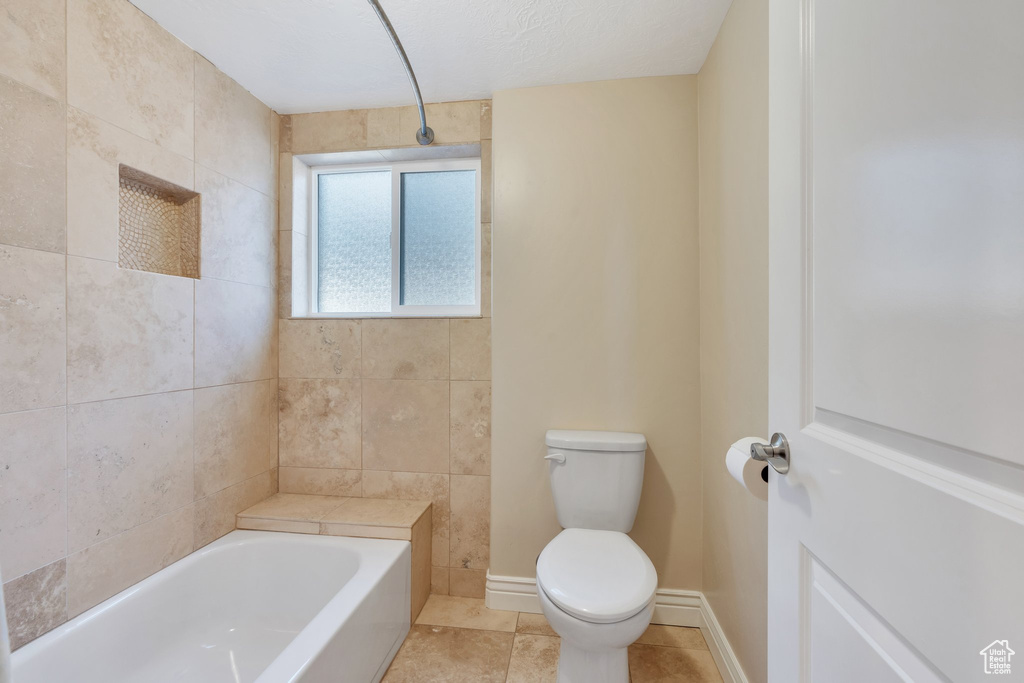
576, 665
593, 653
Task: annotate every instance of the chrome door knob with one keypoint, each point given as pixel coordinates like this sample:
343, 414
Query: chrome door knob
775, 453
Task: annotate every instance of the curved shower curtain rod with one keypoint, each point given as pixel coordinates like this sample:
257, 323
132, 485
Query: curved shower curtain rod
424, 135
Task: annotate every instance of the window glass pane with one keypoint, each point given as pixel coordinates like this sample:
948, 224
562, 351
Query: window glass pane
439, 238
354, 242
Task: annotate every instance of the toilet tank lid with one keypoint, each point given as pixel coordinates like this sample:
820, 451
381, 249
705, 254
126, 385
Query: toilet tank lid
578, 440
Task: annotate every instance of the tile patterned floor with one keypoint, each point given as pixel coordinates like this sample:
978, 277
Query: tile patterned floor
458, 640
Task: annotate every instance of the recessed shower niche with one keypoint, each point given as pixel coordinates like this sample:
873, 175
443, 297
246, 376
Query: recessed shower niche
159, 225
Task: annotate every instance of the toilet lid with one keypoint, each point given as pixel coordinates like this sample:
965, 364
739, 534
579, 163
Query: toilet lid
597, 576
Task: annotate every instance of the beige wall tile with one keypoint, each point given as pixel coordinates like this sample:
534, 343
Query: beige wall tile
233, 134
284, 186
238, 231
275, 153
467, 583
405, 425
452, 122
129, 332
129, 462
534, 659
485, 120
284, 274
329, 131
300, 299
383, 127
471, 428
320, 423
416, 486
485, 270
471, 349
421, 571
32, 329
379, 512
486, 181
471, 521
287, 526
95, 148
405, 349
439, 580
321, 349
215, 515
36, 603
33, 511
298, 217
236, 333
32, 44
104, 569
294, 507
367, 531
285, 133
321, 481
32, 168
236, 434
130, 72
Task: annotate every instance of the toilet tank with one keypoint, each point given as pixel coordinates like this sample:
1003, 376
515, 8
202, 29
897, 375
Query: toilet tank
596, 478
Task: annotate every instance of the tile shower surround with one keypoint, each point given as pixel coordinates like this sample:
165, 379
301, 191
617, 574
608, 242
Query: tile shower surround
128, 386
138, 411
391, 408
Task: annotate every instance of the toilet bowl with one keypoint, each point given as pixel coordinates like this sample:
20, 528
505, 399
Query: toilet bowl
596, 589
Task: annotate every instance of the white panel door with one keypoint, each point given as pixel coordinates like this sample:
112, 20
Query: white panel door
896, 541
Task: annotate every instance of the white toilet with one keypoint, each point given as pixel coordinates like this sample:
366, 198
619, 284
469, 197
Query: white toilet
596, 586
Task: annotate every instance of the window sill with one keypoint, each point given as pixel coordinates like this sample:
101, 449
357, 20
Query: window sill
364, 316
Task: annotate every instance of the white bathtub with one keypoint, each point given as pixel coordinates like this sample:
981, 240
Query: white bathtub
253, 606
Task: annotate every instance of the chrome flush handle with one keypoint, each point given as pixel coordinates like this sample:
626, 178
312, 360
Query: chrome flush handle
556, 457
775, 454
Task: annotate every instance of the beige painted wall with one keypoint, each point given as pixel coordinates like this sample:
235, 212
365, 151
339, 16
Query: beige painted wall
596, 304
395, 408
138, 412
733, 94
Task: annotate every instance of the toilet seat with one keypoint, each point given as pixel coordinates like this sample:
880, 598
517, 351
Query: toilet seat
597, 576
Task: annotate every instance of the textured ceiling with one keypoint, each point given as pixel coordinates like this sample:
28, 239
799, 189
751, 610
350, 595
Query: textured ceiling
318, 55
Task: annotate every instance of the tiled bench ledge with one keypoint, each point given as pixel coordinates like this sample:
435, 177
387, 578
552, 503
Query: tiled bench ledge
402, 520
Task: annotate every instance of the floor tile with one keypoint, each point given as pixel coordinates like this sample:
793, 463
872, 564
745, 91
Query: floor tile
673, 636
656, 664
446, 610
534, 659
454, 655
536, 624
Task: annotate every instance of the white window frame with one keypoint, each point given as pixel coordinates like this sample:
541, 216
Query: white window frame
398, 309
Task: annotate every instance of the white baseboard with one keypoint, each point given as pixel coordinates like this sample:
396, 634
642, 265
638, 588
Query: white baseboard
721, 650
512, 593
671, 607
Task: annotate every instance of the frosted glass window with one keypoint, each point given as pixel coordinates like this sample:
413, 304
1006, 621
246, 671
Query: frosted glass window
438, 263
354, 242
